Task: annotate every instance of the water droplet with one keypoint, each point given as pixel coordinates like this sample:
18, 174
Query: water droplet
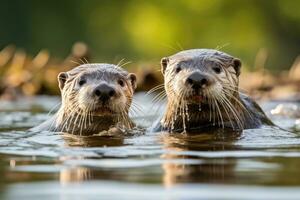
187, 112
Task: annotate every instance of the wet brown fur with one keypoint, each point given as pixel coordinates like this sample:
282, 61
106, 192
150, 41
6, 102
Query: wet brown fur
222, 105
80, 115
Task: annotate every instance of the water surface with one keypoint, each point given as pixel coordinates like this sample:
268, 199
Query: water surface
255, 164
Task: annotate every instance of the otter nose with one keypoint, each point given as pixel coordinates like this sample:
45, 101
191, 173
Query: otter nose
198, 80
104, 92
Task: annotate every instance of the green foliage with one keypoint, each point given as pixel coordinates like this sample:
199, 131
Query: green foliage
148, 30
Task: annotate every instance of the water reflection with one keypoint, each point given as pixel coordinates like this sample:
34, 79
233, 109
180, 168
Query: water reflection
94, 141
77, 174
177, 162
214, 170
2, 180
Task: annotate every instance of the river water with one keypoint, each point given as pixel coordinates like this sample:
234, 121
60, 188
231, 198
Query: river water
255, 164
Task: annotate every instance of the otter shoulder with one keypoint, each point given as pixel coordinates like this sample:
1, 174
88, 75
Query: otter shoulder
255, 116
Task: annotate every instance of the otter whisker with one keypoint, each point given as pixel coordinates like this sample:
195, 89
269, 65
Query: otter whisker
239, 118
183, 111
162, 93
83, 121
66, 124
75, 122
77, 63
136, 109
242, 106
52, 109
239, 121
172, 117
121, 118
121, 64
85, 118
156, 101
81, 61
222, 46
135, 106
154, 89
237, 89
159, 98
90, 113
219, 113
179, 107
210, 108
86, 61
225, 107
125, 118
69, 116
136, 112
64, 121
80, 123
212, 103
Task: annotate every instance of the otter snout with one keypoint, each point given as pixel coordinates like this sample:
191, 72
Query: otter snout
198, 80
104, 92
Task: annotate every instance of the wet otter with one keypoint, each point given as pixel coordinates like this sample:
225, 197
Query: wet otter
202, 91
95, 97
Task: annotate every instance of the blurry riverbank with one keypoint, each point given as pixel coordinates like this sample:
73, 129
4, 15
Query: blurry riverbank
23, 74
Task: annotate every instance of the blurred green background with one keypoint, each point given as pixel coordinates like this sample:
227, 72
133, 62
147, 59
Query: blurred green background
148, 30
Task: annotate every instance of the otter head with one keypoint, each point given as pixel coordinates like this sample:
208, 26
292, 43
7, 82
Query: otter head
97, 90
200, 76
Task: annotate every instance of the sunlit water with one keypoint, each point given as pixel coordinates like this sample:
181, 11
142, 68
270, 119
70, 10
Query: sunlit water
256, 164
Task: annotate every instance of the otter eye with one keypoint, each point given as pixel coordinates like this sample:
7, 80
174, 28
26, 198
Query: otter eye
121, 83
217, 70
82, 82
178, 69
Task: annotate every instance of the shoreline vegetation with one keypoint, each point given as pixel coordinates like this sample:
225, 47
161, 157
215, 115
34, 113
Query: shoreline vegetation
22, 74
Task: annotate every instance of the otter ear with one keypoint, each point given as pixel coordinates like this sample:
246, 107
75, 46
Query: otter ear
132, 78
164, 63
62, 78
237, 64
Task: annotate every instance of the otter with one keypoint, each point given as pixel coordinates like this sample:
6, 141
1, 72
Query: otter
202, 90
95, 97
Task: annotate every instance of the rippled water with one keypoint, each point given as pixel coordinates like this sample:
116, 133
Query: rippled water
255, 164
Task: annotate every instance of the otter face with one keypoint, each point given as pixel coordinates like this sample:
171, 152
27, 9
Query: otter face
97, 89
200, 76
